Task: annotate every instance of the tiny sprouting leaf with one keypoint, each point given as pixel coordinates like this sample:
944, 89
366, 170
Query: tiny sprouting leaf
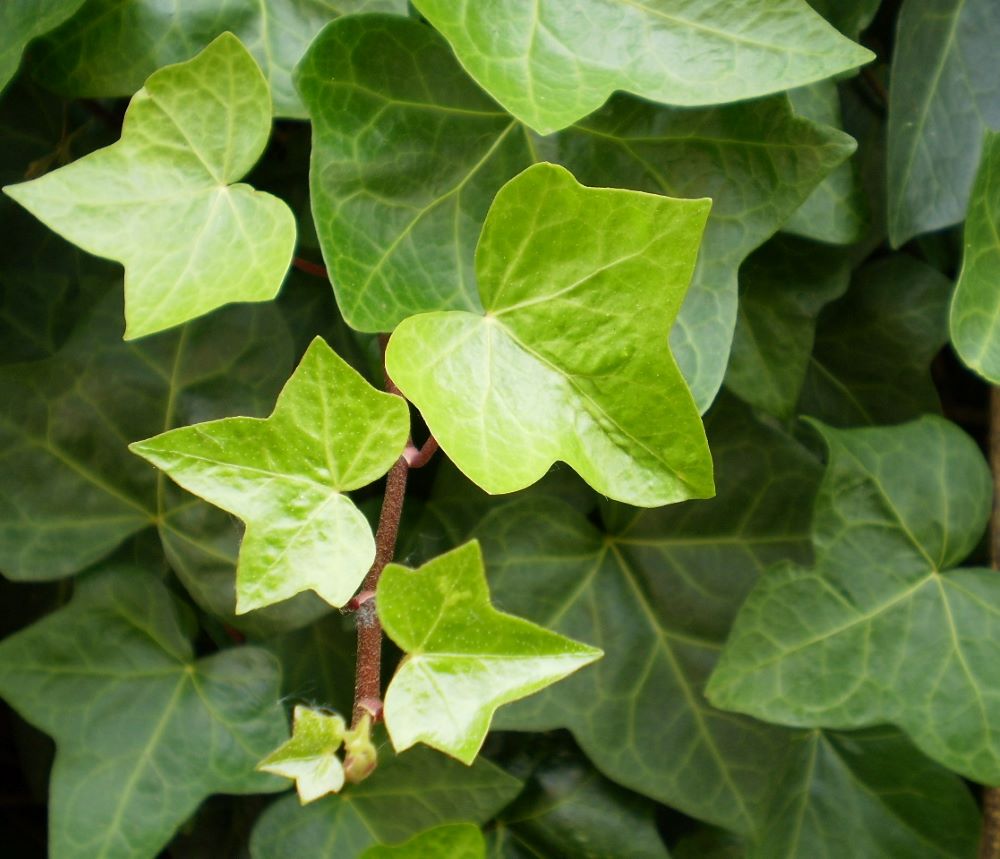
310, 757
286, 475
464, 659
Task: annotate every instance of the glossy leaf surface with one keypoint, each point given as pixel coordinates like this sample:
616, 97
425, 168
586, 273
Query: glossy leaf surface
162, 200
551, 62
509, 392
900, 635
286, 475
310, 757
144, 731
464, 659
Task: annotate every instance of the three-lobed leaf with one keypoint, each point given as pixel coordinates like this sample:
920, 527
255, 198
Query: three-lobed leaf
162, 200
286, 476
464, 659
569, 360
309, 757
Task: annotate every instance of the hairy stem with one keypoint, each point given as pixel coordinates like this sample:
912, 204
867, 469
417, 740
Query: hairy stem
989, 844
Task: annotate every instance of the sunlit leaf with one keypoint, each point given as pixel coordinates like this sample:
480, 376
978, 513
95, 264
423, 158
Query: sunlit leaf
454, 841
310, 757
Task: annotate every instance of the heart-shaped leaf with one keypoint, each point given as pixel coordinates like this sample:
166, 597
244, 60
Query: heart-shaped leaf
286, 475
464, 659
569, 361
143, 731
162, 200
551, 62
310, 757
900, 636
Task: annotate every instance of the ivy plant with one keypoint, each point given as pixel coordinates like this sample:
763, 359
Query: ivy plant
500, 429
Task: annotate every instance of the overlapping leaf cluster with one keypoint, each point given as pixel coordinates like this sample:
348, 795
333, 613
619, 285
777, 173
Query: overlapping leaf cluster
664, 279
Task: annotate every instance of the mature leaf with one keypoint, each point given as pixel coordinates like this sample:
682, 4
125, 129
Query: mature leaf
464, 659
551, 62
783, 288
144, 731
881, 629
874, 346
944, 93
866, 794
286, 475
569, 361
404, 796
454, 841
24, 20
113, 45
848, 16
390, 103
161, 200
668, 583
975, 306
309, 757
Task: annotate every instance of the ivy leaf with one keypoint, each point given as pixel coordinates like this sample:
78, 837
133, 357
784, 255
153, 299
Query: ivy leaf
24, 20
454, 841
113, 45
286, 475
874, 346
554, 61
406, 795
144, 732
903, 638
464, 659
508, 392
974, 306
310, 756
944, 94
161, 200
668, 583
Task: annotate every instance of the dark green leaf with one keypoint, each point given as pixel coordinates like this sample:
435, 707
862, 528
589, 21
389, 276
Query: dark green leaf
24, 20
454, 841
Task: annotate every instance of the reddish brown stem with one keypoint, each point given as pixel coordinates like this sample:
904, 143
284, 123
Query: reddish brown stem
419, 457
989, 844
308, 267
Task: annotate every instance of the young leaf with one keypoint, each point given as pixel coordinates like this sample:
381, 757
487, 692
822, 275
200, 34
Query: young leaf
464, 659
143, 731
310, 756
881, 629
975, 306
454, 841
406, 795
569, 361
23, 20
113, 45
286, 475
161, 200
551, 62
944, 94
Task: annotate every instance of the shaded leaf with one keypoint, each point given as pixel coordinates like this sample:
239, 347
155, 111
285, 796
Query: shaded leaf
309, 757
508, 392
144, 731
551, 62
899, 636
454, 841
24, 20
286, 476
161, 200
404, 796
944, 93
464, 659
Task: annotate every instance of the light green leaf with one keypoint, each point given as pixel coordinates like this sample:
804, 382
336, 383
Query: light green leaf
569, 361
975, 306
406, 795
667, 583
866, 794
944, 93
783, 288
113, 45
143, 731
464, 659
161, 200
551, 62
24, 20
900, 637
309, 757
454, 841
286, 475
874, 346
